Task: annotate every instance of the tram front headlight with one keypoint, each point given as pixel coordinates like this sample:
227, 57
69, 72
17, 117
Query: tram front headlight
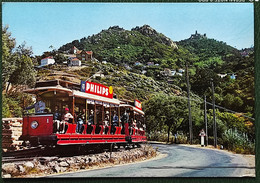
34, 124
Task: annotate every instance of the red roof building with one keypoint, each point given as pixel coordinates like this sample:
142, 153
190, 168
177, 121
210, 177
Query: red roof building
84, 55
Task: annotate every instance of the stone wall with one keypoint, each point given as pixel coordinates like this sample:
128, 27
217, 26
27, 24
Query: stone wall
11, 131
44, 166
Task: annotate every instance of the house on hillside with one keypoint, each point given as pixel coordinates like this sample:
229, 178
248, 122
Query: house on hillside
144, 71
181, 70
127, 67
47, 61
137, 63
168, 72
84, 55
150, 63
74, 50
98, 74
178, 74
232, 76
81, 54
73, 61
222, 75
173, 72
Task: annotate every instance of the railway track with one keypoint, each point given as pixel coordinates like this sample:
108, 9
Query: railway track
59, 151
24, 153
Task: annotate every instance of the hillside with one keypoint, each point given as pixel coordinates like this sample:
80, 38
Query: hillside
206, 47
205, 56
142, 44
126, 84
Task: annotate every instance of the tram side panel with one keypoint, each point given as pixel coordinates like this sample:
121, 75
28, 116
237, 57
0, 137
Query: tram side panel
37, 127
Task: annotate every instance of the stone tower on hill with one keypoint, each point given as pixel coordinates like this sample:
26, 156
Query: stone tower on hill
197, 35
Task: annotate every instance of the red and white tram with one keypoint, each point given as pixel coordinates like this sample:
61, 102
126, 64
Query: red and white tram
40, 129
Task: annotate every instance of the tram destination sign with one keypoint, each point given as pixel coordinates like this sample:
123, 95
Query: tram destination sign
138, 104
96, 89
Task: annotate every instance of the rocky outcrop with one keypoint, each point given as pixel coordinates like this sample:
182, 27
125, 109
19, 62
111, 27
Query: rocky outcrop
152, 33
48, 165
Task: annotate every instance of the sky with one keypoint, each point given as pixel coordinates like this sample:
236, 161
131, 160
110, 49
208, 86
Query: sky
41, 25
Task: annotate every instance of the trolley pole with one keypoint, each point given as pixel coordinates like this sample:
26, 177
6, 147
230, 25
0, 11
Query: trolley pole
189, 106
206, 119
214, 115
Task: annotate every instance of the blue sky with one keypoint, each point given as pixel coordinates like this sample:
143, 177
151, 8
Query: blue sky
43, 24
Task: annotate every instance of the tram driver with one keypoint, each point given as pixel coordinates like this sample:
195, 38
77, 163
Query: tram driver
39, 106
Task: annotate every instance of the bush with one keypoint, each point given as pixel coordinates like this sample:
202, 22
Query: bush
238, 143
11, 107
182, 139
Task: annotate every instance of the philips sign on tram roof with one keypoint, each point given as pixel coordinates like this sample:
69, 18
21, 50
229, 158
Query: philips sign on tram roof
96, 89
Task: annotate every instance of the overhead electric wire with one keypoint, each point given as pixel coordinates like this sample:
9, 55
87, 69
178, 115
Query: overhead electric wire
229, 110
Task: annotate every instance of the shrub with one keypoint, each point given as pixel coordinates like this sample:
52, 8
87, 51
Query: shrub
237, 142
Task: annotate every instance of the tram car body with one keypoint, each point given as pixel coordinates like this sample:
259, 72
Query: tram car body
40, 128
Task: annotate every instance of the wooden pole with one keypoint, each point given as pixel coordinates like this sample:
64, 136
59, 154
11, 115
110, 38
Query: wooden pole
118, 115
189, 105
205, 118
73, 109
214, 116
109, 115
86, 110
95, 117
103, 116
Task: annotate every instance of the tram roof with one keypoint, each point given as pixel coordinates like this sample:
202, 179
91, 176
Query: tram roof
134, 108
95, 97
73, 92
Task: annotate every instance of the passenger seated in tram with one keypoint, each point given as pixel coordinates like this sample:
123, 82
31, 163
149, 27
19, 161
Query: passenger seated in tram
141, 126
134, 126
124, 119
144, 127
57, 119
90, 122
67, 118
81, 119
99, 121
114, 123
106, 123
39, 106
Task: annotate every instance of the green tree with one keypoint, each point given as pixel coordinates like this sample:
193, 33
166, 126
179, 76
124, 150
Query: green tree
24, 74
59, 58
8, 58
166, 110
17, 63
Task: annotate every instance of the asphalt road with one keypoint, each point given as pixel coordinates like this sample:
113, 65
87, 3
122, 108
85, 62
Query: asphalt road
178, 161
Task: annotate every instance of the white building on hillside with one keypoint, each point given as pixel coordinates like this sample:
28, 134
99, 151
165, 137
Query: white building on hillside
47, 61
74, 61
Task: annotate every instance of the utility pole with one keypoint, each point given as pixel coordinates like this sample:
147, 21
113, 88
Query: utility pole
214, 115
206, 119
189, 106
